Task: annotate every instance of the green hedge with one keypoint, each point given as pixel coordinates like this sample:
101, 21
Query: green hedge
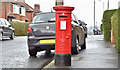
101, 27
20, 28
115, 21
119, 30
107, 23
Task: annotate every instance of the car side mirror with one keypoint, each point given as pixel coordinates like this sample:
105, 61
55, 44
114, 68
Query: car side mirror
80, 24
10, 25
85, 24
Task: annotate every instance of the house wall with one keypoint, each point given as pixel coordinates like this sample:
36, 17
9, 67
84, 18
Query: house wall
16, 13
0, 9
5, 9
29, 16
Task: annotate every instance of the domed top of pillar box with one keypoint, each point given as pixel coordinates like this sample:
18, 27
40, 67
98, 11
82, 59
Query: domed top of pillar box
62, 8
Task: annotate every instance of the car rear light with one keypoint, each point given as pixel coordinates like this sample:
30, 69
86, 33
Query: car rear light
82, 26
29, 30
31, 47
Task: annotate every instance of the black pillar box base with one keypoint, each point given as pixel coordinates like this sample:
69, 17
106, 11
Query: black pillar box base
62, 59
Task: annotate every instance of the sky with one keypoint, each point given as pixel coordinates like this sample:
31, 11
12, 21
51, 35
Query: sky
84, 9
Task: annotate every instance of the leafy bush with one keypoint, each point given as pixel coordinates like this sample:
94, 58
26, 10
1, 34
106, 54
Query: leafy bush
101, 27
107, 23
115, 21
20, 28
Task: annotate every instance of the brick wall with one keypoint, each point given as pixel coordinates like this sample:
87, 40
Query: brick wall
29, 16
0, 9
5, 12
5, 9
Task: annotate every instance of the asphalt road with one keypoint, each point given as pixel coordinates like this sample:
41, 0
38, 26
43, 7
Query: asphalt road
15, 55
99, 54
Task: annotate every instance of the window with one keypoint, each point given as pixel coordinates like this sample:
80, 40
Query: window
23, 11
10, 8
45, 17
14, 8
20, 10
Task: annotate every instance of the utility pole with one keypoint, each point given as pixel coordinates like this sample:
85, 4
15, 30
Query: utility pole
108, 4
118, 4
94, 17
103, 7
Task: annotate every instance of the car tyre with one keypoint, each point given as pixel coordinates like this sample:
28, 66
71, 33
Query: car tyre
48, 52
76, 49
0, 36
84, 45
12, 36
32, 52
86, 35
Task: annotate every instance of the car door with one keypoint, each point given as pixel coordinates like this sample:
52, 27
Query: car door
0, 30
79, 30
9, 28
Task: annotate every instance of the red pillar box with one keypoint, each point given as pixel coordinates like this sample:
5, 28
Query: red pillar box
63, 35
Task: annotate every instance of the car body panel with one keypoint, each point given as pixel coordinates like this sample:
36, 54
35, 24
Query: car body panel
46, 31
84, 26
6, 30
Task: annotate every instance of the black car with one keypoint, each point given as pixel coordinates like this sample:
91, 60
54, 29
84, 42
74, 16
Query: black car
41, 34
84, 25
6, 29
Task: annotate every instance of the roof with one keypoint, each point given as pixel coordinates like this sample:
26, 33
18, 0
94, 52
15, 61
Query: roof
28, 8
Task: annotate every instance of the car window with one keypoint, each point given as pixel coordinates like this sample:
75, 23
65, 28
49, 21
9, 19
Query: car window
73, 18
7, 23
83, 23
0, 22
3, 22
45, 17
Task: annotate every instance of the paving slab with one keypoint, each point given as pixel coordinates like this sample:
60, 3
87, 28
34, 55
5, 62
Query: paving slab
99, 54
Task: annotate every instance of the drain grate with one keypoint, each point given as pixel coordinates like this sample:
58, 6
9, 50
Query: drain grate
76, 58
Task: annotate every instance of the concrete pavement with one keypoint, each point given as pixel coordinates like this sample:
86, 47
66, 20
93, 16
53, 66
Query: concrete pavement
99, 54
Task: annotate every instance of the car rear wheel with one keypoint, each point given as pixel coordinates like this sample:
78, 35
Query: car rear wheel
84, 45
33, 52
12, 36
0, 36
77, 48
86, 35
48, 52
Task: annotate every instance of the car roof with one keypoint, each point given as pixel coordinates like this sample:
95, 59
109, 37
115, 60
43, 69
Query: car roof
44, 13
